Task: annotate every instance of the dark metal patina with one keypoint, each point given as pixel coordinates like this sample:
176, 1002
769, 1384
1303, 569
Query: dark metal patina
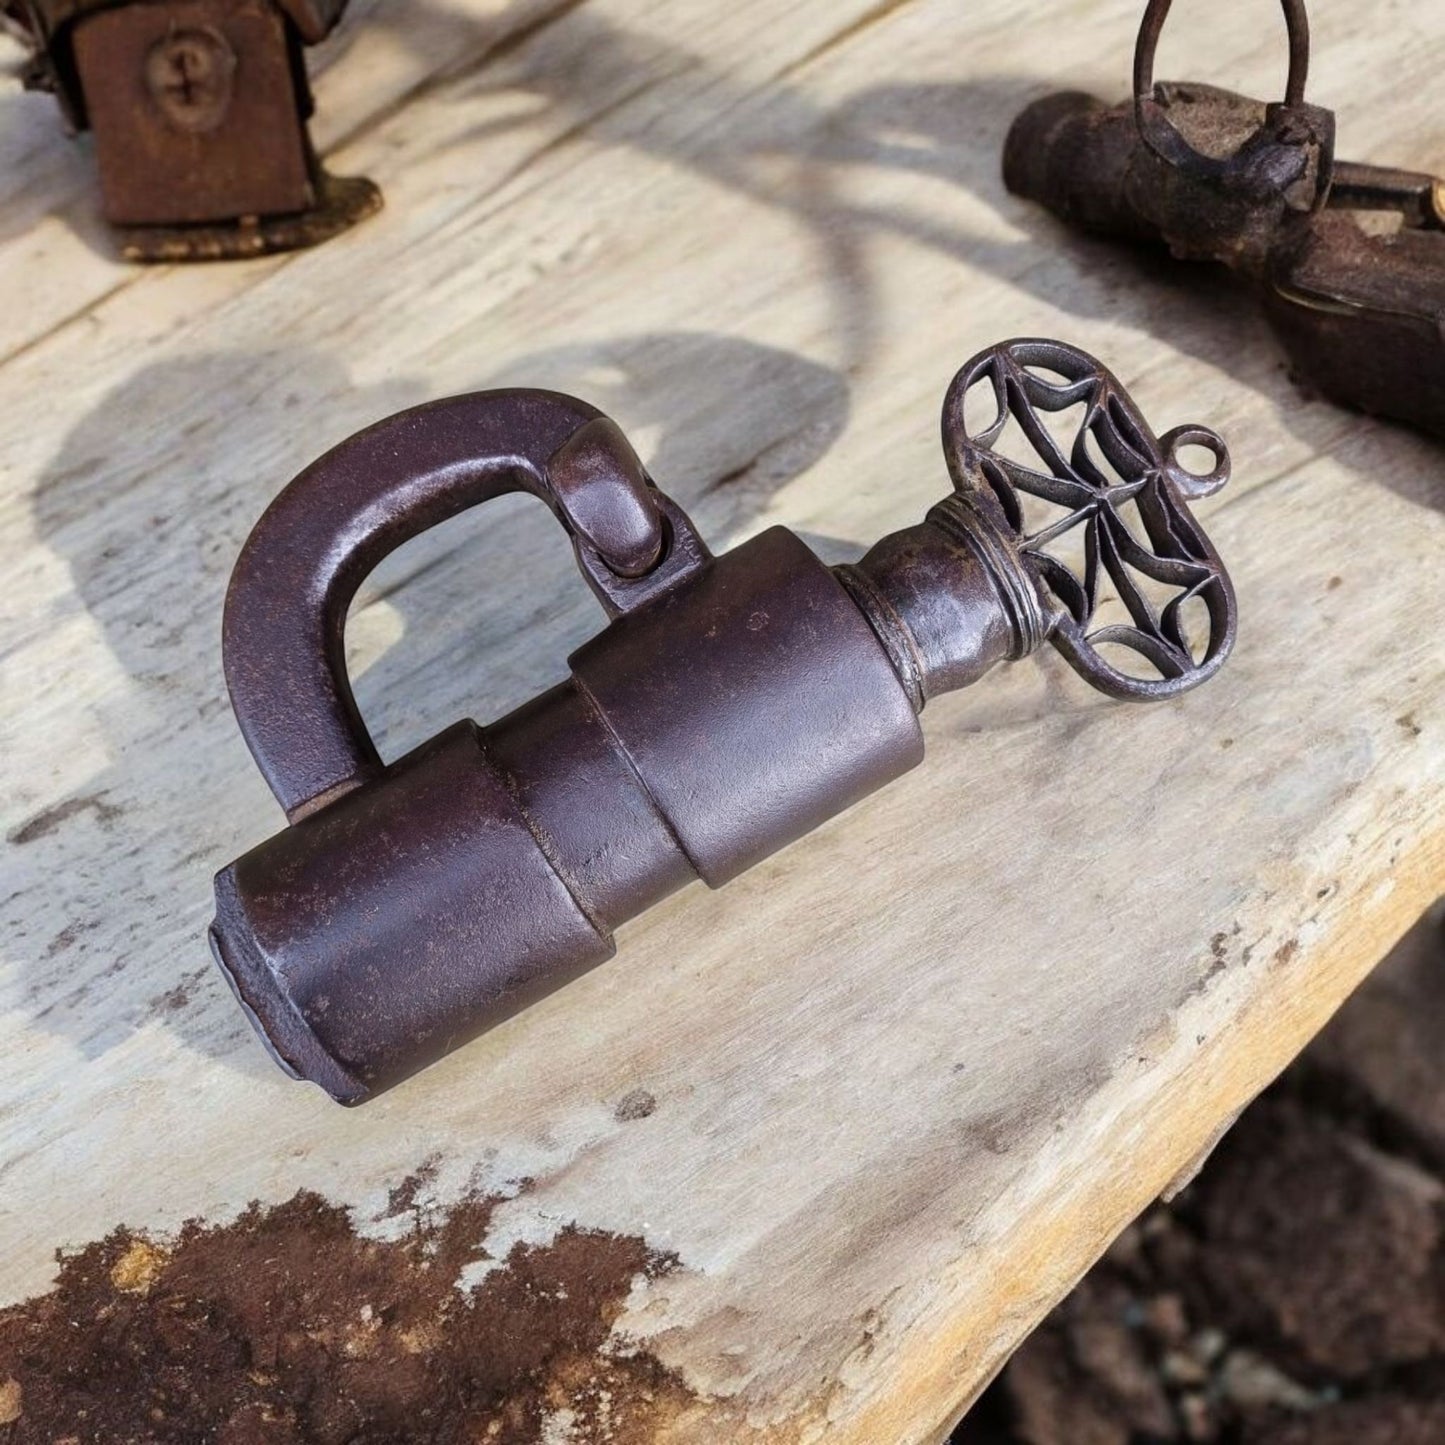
1349, 259
731, 705
199, 111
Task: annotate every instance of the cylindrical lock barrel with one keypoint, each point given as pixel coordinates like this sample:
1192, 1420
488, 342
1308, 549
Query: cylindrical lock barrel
755, 703
376, 935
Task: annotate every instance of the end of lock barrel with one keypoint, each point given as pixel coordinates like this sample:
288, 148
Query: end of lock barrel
1028, 164
283, 1032
391, 926
1073, 155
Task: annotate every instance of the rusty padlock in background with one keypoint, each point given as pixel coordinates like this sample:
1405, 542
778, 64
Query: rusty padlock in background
199, 111
1349, 258
732, 704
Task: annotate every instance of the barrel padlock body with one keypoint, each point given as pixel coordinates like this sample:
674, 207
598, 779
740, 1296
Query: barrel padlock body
731, 705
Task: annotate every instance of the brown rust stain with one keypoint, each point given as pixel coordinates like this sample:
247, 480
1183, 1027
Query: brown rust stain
639, 1104
48, 820
288, 1326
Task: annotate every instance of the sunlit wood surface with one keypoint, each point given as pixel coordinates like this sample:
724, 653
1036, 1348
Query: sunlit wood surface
911, 1076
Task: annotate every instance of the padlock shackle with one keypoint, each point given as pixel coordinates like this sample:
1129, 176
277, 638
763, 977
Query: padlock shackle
285, 615
1297, 23
1278, 155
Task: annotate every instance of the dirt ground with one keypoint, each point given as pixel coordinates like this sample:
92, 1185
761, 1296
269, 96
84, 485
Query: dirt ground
1295, 1293
287, 1327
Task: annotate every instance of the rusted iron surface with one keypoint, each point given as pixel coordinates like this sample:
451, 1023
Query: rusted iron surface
1349, 258
199, 111
732, 704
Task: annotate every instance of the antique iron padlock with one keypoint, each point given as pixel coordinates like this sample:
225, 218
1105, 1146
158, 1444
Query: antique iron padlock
732, 705
199, 111
1349, 258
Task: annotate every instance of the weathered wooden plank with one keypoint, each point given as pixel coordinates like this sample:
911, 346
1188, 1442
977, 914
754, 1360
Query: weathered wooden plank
908, 1078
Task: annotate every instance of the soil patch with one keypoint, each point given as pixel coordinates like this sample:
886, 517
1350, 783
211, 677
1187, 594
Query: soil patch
288, 1326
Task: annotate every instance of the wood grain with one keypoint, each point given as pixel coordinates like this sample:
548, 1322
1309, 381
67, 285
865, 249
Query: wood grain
910, 1076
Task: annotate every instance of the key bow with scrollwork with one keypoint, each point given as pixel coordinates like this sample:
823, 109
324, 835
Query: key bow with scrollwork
1124, 487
